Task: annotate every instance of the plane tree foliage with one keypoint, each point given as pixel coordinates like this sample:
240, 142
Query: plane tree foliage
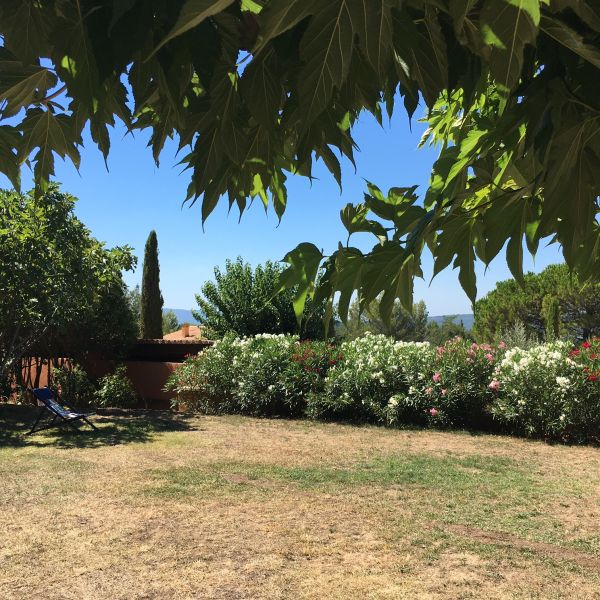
257, 90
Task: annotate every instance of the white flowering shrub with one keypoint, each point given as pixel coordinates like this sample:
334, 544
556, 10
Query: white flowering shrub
262, 375
378, 380
548, 391
204, 382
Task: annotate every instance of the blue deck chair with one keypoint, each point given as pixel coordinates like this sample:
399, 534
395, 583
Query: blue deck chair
52, 403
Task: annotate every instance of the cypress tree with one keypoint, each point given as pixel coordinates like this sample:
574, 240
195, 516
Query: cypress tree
152, 300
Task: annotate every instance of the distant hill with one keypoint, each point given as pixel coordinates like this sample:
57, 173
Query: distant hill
467, 319
183, 315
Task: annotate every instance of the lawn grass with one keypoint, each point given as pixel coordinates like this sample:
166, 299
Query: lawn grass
173, 506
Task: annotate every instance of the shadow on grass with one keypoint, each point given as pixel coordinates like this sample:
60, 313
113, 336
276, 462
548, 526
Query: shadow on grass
115, 427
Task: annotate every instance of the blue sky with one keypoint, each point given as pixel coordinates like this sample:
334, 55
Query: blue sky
123, 204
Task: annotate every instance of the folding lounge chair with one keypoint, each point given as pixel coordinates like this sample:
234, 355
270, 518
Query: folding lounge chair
60, 411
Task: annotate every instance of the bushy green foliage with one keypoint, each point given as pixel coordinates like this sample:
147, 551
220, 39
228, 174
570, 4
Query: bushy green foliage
75, 386
550, 391
262, 375
169, 322
116, 390
244, 301
376, 372
151, 303
511, 90
403, 325
457, 394
56, 280
552, 302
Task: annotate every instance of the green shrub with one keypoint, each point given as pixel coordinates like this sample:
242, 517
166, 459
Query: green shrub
376, 380
457, 394
262, 375
550, 391
116, 390
74, 384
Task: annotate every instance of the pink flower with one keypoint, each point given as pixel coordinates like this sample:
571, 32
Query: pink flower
444, 392
489, 357
437, 377
429, 391
494, 385
501, 345
433, 412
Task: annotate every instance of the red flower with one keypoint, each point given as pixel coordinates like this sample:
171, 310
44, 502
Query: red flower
575, 352
586, 345
593, 377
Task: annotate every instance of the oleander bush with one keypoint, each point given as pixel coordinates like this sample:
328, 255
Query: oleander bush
458, 394
550, 390
263, 375
376, 378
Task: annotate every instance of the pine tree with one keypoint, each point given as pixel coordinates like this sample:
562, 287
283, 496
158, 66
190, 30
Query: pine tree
152, 300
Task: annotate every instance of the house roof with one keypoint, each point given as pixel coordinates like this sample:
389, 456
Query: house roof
195, 332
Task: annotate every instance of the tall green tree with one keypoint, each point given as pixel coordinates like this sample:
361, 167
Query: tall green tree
170, 322
58, 285
244, 300
256, 90
403, 325
134, 299
550, 304
151, 299
439, 333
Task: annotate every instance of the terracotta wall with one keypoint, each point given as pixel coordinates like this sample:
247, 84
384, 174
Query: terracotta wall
148, 378
149, 366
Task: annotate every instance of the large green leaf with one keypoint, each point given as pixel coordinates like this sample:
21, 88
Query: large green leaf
192, 13
21, 86
26, 25
9, 163
304, 263
261, 89
456, 241
354, 219
372, 20
570, 39
326, 49
49, 134
422, 51
508, 25
281, 15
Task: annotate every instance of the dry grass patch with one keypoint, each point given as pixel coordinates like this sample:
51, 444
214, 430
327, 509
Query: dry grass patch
157, 506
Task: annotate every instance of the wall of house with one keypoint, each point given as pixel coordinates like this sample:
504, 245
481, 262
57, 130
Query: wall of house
149, 368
